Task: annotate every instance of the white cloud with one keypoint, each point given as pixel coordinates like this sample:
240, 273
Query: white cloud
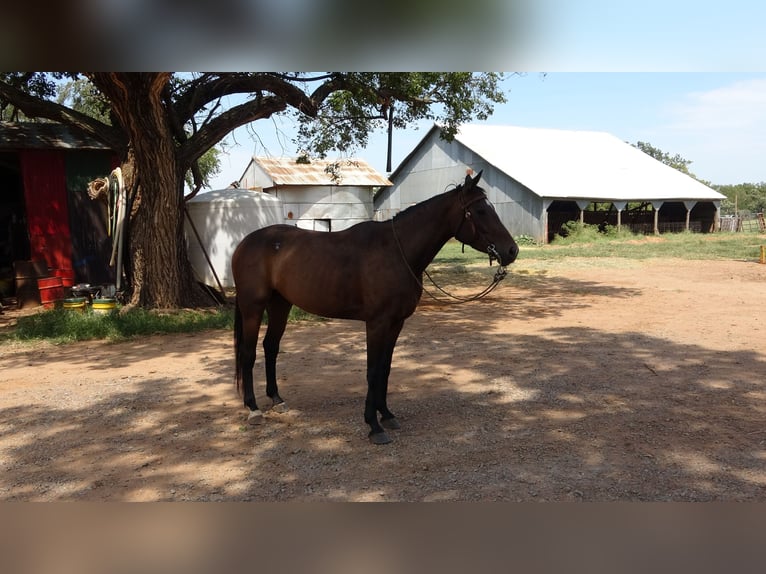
723, 131
741, 105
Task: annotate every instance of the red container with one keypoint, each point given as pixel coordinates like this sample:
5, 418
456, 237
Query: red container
67, 276
51, 290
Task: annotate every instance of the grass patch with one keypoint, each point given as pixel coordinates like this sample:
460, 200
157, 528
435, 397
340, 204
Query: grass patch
451, 267
66, 326
692, 246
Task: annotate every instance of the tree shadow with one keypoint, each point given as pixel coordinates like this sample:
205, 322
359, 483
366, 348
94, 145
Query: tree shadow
564, 413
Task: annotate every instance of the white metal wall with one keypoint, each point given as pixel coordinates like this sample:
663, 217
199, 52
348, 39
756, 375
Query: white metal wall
317, 207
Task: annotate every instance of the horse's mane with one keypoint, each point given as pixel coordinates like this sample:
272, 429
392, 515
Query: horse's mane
417, 206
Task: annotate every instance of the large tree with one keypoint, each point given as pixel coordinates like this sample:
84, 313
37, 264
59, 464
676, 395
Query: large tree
161, 124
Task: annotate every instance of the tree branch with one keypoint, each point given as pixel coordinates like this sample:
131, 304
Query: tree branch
219, 127
35, 107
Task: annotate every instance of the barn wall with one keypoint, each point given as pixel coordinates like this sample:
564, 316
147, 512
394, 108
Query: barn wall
91, 244
254, 177
437, 166
325, 208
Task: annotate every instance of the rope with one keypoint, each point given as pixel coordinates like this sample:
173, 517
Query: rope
456, 300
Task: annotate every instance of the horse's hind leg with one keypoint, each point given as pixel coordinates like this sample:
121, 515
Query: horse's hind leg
246, 346
278, 309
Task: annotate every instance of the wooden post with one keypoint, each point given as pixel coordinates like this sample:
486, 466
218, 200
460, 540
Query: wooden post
656, 205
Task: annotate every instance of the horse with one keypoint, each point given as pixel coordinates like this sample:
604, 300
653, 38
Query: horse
370, 272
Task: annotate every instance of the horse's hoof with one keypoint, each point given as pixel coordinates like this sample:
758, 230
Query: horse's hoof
379, 438
255, 417
390, 424
280, 407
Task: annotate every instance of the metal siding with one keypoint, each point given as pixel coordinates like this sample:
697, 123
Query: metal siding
343, 206
437, 165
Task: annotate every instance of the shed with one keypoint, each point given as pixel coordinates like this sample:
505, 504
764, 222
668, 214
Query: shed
222, 219
540, 178
45, 212
321, 194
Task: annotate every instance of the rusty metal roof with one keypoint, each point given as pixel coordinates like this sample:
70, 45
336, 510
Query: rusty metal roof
287, 171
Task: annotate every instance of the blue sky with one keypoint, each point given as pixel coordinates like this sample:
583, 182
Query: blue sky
679, 74
716, 120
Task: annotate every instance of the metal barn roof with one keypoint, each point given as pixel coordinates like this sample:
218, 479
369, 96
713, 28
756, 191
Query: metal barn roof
286, 171
563, 164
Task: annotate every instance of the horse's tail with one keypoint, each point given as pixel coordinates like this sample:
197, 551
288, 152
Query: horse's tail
237, 345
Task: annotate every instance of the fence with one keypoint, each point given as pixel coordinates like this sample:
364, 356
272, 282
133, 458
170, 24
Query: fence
750, 223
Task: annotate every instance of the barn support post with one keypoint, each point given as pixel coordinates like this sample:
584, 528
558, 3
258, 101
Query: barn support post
619, 206
583, 205
656, 205
717, 216
544, 216
689, 205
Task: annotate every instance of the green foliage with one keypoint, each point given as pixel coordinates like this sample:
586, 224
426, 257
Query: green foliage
574, 231
525, 240
37, 84
743, 197
699, 246
674, 161
82, 96
209, 166
65, 325
367, 101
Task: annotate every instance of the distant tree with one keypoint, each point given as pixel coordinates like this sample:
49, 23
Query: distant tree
674, 161
743, 197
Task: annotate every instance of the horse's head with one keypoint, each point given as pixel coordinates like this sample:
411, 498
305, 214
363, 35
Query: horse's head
480, 226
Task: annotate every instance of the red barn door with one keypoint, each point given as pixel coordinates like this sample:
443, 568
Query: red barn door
44, 176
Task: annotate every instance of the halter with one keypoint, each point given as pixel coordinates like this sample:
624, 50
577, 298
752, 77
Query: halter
491, 251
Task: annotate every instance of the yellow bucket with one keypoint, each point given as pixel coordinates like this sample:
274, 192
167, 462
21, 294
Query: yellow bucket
75, 304
104, 306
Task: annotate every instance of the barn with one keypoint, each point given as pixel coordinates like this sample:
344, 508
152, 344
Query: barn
45, 212
539, 179
321, 195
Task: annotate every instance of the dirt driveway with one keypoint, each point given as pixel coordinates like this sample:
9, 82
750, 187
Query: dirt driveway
583, 379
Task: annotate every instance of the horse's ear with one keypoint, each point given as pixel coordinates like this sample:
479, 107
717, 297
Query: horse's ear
472, 182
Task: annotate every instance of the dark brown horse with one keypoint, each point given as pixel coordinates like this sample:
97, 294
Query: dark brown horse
371, 272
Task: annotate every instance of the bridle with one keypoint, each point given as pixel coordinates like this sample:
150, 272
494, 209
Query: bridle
491, 249
500, 274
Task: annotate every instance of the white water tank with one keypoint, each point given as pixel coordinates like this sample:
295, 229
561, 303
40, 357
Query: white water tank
222, 219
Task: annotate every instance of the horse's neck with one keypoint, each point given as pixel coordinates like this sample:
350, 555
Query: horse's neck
424, 229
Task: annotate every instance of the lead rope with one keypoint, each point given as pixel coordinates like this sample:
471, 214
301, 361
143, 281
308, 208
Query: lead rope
456, 299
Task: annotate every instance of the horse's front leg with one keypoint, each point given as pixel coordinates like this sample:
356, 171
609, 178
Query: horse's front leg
381, 340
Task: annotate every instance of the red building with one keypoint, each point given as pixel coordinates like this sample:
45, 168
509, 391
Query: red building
45, 211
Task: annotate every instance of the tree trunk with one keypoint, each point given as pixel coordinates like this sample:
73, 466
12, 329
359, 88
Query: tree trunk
157, 265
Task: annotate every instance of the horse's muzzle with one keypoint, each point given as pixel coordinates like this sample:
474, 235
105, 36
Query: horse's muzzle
509, 256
